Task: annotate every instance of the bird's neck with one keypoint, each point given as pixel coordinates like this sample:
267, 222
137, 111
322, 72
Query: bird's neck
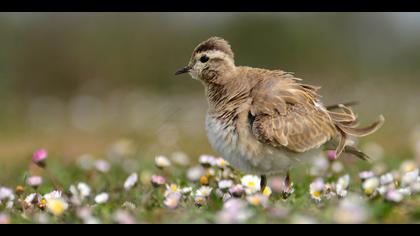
225, 99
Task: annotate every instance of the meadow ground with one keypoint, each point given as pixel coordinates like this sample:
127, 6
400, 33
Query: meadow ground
178, 188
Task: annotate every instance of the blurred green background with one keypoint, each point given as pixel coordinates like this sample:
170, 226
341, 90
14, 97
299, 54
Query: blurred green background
76, 82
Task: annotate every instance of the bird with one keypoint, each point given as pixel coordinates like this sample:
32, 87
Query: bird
264, 122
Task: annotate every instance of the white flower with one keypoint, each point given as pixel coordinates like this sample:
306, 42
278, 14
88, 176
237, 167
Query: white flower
319, 166
194, 173
405, 191
57, 206
203, 191
131, 181
225, 184
102, 166
162, 162
186, 190
172, 200
408, 166
316, 188
370, 186
102, 198
207, 160
337, 167
4, 219
32, 198
415, 187
6, 193
222, 163
352, 210
394, 196
251, 183
53, 195
409, 177
366, 175
200, 200
123, 217
342, 185
180, 158
172, 188
234, 211
387, 179
34, 181
258, 200
84, 190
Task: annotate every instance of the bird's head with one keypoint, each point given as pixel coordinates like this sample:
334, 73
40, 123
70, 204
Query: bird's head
210, 59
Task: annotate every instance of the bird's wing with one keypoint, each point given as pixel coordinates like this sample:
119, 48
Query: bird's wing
286, 113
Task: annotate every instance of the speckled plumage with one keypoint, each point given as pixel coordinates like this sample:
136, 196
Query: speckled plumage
265, 121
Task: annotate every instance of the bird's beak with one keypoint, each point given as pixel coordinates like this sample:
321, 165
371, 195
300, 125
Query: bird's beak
183, 70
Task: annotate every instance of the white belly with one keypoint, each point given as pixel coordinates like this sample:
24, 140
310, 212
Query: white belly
245, 153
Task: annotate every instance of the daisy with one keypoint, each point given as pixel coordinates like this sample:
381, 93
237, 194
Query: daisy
180, 158
131, 181
34, 181
370, 186
102, 198
257, 200
194, 173
207, 160
39, 157
4, 219
237, 191
172, 188
352, 210
342, 185
6, 193
394, 196
102, 166
186, 190
366, 175
408, 166
409, 177
204, 191
84, 190
387, 178
57, 206
158, 180
221, 163
172, 200
251, 183
316, 188
200, 200
234, 211
53, 195
162, 162
123, 217
225, 183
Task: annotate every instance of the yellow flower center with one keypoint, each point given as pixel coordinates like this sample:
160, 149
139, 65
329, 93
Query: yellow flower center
316, 194
174, 187
255, 201
251, 184
267, 191
56, 207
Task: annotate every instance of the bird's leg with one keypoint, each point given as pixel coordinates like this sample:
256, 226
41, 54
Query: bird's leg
263, 183
288, 186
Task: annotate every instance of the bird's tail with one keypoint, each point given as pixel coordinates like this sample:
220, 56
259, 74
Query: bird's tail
346, 123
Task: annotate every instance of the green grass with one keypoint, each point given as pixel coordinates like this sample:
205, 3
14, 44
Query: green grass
148, 200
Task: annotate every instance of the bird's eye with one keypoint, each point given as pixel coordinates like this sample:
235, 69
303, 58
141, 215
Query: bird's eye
204, 59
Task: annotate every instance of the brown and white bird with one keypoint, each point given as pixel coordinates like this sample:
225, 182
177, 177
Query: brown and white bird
266, 121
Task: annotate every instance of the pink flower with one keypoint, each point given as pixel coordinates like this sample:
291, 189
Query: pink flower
39, 156
34, 181
332, 155
158, 180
